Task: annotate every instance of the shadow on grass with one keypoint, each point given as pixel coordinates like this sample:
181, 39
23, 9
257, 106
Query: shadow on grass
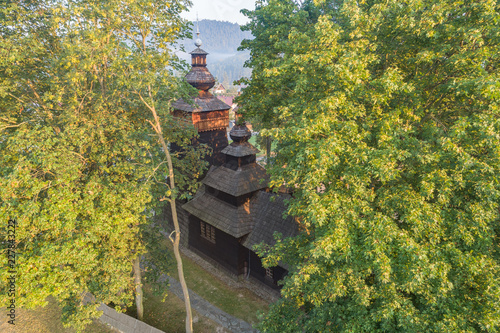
46, 320
169, 316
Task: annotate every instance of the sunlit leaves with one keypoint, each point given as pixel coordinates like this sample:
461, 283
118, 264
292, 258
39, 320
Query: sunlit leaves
79, 163
385, 116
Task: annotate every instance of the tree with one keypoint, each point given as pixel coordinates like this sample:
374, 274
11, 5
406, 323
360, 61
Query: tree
386, 119
80, 161
260, 99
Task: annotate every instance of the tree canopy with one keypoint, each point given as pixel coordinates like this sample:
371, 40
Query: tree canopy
79, 161
386, 119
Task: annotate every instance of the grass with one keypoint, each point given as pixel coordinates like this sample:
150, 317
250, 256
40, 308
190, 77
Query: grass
169, 316
238, 302
253, 141
46, 320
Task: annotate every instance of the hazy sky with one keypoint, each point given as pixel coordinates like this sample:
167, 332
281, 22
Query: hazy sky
222, 10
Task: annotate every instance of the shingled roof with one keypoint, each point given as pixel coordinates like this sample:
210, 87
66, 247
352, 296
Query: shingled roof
198, 51
237, 221
204, 105
240, 149
247, 179
259, 219
268, 211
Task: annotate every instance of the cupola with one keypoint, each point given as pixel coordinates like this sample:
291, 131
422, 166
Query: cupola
199, 76
208, 114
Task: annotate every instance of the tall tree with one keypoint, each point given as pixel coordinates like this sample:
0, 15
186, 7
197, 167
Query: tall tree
386, 117
80, 161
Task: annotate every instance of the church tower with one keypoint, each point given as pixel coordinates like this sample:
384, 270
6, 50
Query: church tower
209, 115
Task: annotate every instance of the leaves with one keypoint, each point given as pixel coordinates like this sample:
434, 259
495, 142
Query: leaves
390, 145
80, 168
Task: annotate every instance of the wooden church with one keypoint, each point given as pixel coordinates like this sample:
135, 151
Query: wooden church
210, 116
234, 209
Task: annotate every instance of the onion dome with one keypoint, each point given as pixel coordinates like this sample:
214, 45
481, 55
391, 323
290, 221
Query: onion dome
240, 146
199, 76
240, 133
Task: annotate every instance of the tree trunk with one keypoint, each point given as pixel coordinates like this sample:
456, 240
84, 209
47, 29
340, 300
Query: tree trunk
176, 240
268, 149
138, 288
185, 290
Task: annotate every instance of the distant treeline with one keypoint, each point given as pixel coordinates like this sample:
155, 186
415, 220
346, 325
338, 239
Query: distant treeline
228, 70
223, 39
218, 36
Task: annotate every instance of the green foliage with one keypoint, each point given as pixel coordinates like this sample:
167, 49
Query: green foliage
79, 163
386, 119
157, 261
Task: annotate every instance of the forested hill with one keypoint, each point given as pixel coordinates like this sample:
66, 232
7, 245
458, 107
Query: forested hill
218, 36
221, 40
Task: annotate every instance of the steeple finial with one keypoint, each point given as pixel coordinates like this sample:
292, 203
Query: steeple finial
197, 43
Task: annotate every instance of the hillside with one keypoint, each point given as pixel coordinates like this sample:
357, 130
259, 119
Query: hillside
221, 40
218, 36
230, 69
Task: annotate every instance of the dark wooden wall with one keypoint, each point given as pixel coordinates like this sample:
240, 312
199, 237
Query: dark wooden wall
226, 197
258, 272
217, 140
226, 250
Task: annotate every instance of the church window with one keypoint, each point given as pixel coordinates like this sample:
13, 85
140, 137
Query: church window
269, 273
207, 231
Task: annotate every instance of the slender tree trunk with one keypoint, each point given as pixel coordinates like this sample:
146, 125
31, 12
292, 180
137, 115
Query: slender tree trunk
138, 288
185, 291
176, 240
268, 149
